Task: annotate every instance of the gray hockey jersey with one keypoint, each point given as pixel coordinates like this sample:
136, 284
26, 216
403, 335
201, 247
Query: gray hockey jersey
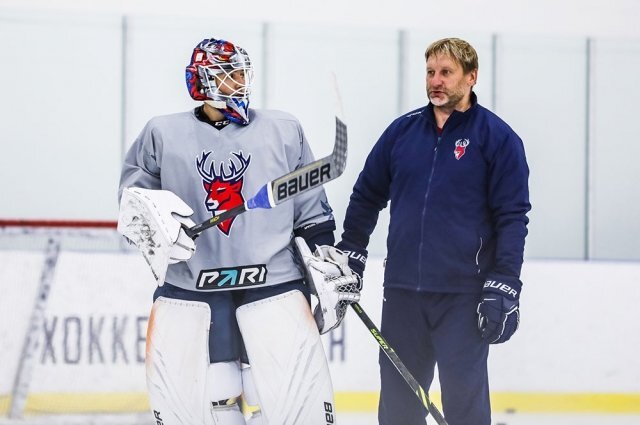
215, 170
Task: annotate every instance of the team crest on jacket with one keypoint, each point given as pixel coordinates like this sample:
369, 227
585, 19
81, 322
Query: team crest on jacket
461, 147
223, 184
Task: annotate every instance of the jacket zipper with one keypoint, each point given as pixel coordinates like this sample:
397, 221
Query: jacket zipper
424, 209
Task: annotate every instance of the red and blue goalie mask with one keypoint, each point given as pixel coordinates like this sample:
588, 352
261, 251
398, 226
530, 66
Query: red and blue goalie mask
215, 63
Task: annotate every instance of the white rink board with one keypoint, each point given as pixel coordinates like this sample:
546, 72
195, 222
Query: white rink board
580, 328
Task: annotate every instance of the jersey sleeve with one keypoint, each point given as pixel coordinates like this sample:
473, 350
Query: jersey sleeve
141, 166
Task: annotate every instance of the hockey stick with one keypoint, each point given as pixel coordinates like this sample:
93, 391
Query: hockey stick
391, 354
290, 185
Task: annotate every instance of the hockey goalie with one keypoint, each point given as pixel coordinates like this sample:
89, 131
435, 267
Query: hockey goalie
231, 316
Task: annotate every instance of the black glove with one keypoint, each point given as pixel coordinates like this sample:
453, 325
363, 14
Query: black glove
357, 257
498, 311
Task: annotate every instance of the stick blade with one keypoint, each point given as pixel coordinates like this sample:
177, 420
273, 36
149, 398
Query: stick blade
339, 154
314, 174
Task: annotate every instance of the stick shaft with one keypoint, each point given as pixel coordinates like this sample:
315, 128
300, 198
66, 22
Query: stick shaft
408, 377
214, 221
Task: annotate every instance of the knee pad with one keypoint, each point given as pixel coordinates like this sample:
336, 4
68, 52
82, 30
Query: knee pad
250, 395
288, 363
224, 381
224, 386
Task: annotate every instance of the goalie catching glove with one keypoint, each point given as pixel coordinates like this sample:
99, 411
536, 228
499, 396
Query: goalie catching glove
154, 221
331, 281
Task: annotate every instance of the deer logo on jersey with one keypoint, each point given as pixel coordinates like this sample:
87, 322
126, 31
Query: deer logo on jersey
461, 146
223, 185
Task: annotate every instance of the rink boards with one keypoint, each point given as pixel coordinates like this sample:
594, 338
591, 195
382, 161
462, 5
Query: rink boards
576, 350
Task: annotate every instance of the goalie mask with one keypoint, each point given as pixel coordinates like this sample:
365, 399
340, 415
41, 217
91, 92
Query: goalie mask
220, 74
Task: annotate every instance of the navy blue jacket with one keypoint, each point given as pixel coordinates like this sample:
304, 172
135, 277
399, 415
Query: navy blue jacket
459, 201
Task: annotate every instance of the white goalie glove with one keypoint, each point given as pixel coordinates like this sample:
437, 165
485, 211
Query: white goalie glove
331, 281
153, 221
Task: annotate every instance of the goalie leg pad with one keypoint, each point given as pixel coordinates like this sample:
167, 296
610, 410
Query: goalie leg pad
184, 388
288, 364
177, 359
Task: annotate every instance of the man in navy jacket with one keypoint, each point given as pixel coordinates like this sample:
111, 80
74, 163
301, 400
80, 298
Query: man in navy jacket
457, 179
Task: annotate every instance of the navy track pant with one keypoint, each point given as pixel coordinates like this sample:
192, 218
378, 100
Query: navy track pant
426, 328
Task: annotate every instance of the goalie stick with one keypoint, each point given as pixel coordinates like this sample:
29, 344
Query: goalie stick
290, 185
391, 354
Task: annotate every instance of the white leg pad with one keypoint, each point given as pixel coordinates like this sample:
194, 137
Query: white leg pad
177, 360
288, 363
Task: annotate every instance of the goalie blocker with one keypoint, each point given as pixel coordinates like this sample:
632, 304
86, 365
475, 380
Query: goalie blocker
155, 221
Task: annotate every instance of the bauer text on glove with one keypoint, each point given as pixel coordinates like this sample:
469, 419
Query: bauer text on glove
498, 310
357, 256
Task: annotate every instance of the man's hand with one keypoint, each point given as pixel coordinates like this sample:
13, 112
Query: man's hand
498, 311
357, 257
